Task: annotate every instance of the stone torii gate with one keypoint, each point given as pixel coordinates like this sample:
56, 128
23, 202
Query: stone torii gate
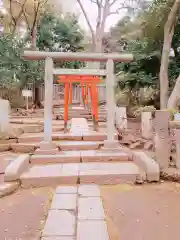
50, 57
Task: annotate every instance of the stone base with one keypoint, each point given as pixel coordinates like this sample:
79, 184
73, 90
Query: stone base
46, 152
47, 148
111, 145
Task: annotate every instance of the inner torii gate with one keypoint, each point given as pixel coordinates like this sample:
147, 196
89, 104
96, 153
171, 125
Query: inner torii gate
88, 84
49, 57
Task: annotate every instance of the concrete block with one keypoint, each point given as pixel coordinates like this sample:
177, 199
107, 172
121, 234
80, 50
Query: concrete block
148, 165
17, 167
92, 230
89, 190
64, 202
90, 208
59, 223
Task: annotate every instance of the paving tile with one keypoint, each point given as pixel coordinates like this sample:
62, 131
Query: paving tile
89, 190
64, 201
66, 189
90, 208
59, 223
92, 230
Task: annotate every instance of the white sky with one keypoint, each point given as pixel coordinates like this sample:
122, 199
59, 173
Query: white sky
91, 9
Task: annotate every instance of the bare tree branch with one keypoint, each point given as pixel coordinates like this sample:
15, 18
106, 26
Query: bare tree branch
113, 2
16, 19
87, 19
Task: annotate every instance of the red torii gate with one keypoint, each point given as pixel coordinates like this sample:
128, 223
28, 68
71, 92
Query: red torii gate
88, 84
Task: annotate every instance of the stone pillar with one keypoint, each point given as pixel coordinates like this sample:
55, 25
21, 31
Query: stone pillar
110, 105
121, 118
4, 115
162, 138
48, 102
177, 138
146, 125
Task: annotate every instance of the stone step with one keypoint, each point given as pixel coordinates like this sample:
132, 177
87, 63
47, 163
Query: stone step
80, 156
74, 173
79, 145
86, 136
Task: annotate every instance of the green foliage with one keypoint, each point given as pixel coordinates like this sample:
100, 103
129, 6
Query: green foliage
53, 34
15, 71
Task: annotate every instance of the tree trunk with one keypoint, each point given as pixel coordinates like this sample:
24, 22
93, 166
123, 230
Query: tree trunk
37, 102
175, 95
164, 82
168, 35
33, 38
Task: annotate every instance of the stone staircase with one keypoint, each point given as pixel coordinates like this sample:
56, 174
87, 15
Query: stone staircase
80, 112
78, 158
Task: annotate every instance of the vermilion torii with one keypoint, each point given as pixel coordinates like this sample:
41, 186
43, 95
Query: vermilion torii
88, 85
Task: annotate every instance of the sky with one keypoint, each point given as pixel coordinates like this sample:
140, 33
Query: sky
73, 6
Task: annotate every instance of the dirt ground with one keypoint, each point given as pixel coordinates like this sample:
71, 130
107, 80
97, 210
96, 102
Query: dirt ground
23, 213
142, 212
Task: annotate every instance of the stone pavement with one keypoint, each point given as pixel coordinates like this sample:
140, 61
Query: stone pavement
76, 213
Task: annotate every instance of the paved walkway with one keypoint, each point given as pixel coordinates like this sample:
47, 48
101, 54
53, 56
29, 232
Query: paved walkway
142, 212
76, 213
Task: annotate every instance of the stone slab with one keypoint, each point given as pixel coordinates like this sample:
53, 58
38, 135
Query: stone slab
92, 230
4, 147
108, 173
95, 136
23, 147
64, 202
90, 208
16, 167
148, 165
101, 156
66, 189
50, 175
59, 223
89, 190
61, 157
55, 137
46, 152
78, 145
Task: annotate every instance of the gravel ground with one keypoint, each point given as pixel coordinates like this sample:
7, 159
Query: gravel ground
142, 212
22, 214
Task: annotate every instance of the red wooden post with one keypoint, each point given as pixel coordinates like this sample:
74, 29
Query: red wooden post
70, 92
66, 98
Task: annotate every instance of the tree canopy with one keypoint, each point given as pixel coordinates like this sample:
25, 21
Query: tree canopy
53, 34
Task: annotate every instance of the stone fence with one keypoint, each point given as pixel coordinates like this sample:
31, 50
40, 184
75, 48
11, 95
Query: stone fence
164, 134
